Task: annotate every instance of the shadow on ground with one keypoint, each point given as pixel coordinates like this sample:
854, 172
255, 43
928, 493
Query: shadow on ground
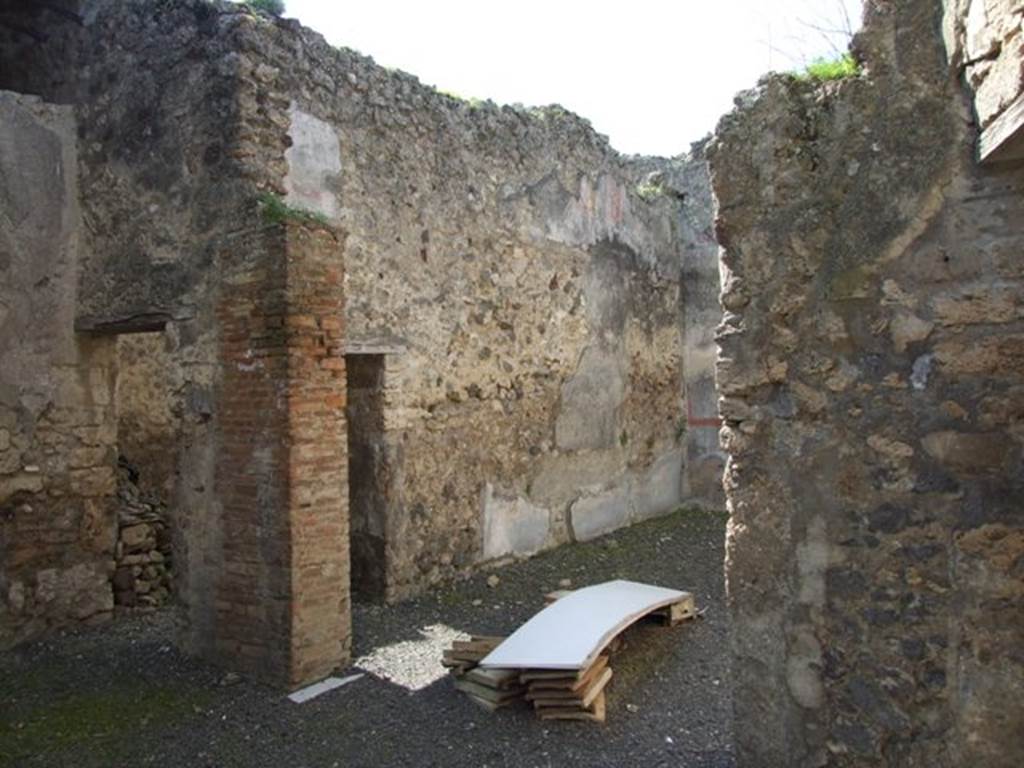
121, 695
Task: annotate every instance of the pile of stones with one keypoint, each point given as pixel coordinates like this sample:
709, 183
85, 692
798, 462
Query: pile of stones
142, 578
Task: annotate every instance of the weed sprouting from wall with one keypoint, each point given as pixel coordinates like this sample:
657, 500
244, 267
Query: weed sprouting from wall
823, 70
276, 211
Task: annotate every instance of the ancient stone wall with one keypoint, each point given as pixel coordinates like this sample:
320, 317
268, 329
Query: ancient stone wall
985, 40
149, 409
701, 313
172, 145
518, 281
870, 372
57, 416
522, 282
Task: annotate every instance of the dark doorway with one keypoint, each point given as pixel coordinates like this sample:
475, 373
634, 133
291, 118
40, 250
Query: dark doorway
367, 475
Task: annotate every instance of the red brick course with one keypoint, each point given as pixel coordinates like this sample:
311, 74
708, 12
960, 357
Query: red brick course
281, 597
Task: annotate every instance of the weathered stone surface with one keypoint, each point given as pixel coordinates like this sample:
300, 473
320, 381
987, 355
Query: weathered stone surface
985, 39
992, 452
56, 517
521, 281
874, 504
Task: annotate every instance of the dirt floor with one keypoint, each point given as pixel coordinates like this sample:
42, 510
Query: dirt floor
121, 695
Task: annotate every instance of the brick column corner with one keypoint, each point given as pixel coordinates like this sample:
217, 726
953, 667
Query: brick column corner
280, 567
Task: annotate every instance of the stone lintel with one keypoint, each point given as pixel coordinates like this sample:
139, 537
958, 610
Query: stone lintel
1003, 140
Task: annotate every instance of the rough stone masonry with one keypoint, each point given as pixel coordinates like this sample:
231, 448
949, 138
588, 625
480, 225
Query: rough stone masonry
871, 375
494, 336
507, 316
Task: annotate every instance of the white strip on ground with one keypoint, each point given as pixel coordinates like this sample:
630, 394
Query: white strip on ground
312, 691
570, 632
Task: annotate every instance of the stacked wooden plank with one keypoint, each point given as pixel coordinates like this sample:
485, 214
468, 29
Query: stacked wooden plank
558, 660
569, 694
490, 688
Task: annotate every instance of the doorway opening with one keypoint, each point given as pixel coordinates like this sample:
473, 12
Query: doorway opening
148, 426
367, 477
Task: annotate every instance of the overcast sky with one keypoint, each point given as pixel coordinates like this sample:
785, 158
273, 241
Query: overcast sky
653, 75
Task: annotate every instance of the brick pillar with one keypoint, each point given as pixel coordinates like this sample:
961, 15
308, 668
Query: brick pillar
281, 607
318, 458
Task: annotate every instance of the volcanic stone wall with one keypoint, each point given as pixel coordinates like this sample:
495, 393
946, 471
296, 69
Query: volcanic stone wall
57, 415
149, 409
985, 39
171, 145
871, 360
522, 282
514, 283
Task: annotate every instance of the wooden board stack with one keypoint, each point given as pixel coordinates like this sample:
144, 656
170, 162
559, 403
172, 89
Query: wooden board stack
490, 688
569, 694
554, 693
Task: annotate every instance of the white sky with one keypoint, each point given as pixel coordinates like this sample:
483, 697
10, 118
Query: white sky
653, 75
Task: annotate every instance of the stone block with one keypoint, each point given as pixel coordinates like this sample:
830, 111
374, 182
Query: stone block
1003, 83
124, 579
906, 329
974, 304
138, 538
970, 452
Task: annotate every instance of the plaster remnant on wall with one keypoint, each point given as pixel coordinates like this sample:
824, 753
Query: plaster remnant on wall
314, 164
659, 489
512, 526
588, 418
593, 516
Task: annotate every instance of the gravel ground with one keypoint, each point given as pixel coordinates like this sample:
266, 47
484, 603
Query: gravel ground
121, 695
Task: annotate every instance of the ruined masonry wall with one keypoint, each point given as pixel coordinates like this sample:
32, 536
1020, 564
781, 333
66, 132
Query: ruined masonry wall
525, 294
871, 361
57, 416
169, 133
149, 408
985, 39
520, 279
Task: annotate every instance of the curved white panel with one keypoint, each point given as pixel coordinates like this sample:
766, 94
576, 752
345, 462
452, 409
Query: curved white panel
572, 631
